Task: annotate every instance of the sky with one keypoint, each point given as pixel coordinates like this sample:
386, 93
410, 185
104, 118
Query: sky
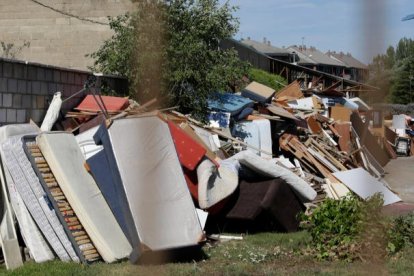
363, 28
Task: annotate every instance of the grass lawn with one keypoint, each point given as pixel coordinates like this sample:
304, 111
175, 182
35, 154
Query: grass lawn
259, 254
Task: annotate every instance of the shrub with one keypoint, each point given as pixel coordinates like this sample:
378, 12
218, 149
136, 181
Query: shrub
342, 229
274, 81
401, 234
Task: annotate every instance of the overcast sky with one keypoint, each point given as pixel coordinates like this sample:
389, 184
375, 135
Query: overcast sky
361, 27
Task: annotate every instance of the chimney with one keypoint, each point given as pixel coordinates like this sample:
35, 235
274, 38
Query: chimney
248, 38
264, 40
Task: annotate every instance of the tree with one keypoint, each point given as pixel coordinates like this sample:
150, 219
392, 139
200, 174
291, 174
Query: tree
403, 83
393, 72
170, 50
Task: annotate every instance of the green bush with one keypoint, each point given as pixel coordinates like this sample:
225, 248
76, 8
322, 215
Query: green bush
401, 234
341, 228
274, 81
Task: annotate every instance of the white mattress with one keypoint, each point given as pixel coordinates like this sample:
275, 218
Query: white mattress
66, 161
256, 133
34, 197
160, 202
39, 250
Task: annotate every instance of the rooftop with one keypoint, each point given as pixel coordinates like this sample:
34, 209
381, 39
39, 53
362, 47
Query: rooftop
347, 59
314, 56
265, 47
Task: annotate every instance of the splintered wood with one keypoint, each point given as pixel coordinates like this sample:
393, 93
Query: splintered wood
79, 235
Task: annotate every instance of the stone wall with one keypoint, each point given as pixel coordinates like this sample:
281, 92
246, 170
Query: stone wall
60, 32
26, 89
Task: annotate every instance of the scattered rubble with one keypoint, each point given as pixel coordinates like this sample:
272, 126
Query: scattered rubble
119, 179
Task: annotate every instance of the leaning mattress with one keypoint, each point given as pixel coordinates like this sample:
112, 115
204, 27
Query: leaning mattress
33, 238
66, 161
149, 175
255, 133
34, 197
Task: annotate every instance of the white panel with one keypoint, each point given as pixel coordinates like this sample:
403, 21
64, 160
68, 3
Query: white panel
364, 185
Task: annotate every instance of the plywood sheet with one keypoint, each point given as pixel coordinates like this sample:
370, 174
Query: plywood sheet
279, 111
258, 92
340, 113
314, 125
292, 91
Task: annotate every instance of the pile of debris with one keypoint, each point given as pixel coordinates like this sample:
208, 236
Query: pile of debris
125, 179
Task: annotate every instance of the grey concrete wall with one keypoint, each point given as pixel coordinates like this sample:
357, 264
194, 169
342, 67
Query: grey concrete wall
55, 38
26, 89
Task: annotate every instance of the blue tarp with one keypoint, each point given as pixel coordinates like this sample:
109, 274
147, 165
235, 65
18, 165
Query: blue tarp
227, 102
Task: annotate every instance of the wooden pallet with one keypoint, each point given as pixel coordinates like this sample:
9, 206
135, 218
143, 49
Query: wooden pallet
81, 241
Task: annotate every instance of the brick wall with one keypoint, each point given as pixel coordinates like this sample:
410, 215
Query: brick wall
26, 89
55, 38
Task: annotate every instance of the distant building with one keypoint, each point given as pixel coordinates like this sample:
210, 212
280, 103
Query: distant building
313, 58
337, 64
355, 69
267, 48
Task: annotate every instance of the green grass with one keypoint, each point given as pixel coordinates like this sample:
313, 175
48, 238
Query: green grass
259, 254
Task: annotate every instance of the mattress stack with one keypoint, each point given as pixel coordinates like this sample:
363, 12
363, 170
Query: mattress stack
59, 207
76, 232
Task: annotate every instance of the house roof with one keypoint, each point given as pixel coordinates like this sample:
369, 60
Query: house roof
265, 47
303, 59
313, 54
348, 60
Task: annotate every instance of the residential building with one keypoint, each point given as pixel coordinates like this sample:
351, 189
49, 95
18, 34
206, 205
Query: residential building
267, 48
355, 69
313, 58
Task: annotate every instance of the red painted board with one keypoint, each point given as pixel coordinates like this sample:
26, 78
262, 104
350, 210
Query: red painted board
188, 150
111, 103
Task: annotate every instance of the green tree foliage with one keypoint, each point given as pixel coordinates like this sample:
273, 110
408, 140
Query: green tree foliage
402, 89
274, 81
170, 50
393, 70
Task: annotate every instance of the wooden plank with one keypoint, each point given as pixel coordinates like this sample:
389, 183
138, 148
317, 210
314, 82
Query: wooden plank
340, 113
314, 125
344, 131
292, 91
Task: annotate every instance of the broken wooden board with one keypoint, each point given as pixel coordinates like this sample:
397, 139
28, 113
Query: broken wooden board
292, 91
365, 186
314, 125
369, 140
390, 150
390, 135
279, 111
344, 130
292, 144
340, 113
